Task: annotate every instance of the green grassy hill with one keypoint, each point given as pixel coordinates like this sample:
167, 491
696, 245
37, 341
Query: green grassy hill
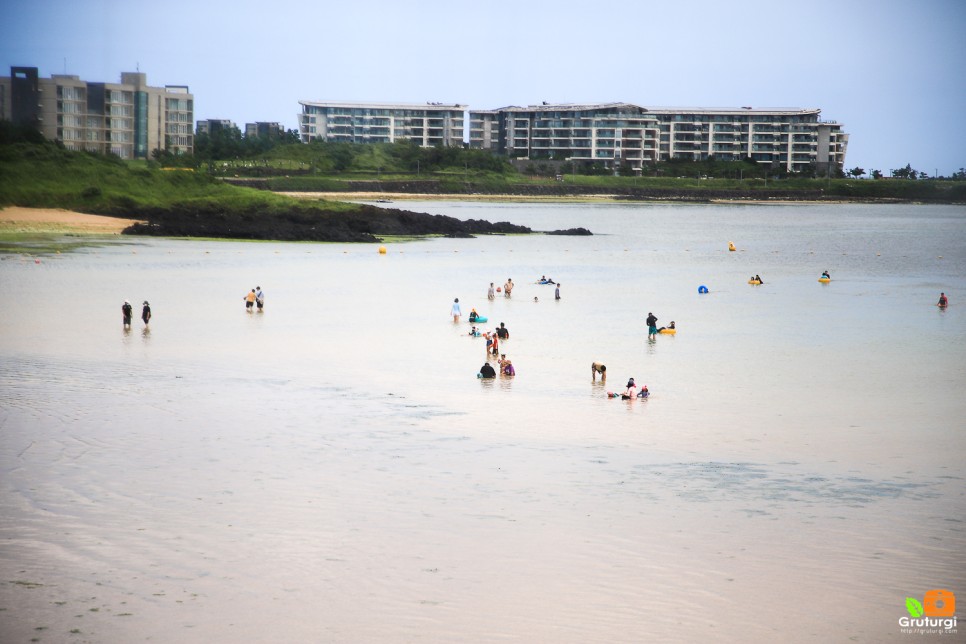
184, 202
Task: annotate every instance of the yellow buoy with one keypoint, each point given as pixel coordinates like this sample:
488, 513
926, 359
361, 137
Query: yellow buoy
382, 250
731, 246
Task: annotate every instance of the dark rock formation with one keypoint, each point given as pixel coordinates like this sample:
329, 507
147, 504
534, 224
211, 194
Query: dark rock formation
306, 223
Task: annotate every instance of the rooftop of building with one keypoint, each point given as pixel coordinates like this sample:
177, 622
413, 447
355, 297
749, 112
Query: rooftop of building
385, 106
571, 107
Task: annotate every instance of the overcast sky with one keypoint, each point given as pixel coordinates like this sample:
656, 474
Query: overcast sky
893, 72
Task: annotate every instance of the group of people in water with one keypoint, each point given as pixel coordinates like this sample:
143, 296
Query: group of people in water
494, 338
255, 297
630, 391
492, 348
127, 311
549, 280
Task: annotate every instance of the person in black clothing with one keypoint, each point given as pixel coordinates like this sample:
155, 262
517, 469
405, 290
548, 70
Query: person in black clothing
651, 324
126, 312
146, 313
502, 332
486, 371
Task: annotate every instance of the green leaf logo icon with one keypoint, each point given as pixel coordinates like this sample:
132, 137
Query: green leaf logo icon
913, 606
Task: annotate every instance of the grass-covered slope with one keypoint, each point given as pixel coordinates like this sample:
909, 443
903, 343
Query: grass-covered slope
183, 202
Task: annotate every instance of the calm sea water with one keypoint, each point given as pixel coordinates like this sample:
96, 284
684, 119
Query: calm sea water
332, 470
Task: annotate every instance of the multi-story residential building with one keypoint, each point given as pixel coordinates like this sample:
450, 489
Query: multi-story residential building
212, 126
623, 134
426, 125
129, 119
265, 130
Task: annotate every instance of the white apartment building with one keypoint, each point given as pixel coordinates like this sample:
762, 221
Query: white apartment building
129, 119
426, 125
616, 134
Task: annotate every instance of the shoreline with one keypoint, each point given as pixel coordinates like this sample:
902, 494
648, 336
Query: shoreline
388, 197
37, 221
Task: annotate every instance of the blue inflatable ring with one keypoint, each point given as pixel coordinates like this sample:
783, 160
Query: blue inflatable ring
702, 289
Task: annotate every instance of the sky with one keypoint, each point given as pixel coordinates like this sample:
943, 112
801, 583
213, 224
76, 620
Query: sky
892, 72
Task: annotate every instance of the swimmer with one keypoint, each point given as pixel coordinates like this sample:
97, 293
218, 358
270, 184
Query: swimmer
643, 393
487, 371
825, 275
943, 301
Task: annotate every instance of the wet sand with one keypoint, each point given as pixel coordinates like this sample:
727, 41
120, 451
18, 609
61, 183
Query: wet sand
15, 219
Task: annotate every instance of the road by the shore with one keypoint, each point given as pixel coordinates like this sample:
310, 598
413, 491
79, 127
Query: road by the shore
15, 219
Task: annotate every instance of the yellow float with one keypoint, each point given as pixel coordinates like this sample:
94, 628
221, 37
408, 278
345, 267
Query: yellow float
731, 246
755, 282
668, 331
824, 280
382, 250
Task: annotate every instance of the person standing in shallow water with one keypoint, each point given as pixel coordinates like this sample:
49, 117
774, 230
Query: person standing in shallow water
490, 294
259, 298
146, 313
598, 368
943, 301
455, 310
556, 292
126, 312
249, 300
507, 287
651, 325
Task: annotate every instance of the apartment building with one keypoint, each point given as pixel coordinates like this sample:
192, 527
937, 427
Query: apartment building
130, 119
264, 129
427, 125
616, 134
213, 126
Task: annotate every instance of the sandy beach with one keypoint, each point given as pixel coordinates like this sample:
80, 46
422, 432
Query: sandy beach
15, 219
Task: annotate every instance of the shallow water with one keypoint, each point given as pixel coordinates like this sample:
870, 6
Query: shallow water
332, 470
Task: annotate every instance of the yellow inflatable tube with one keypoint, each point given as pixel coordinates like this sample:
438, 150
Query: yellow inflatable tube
668, 331
755, 282
824, 280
